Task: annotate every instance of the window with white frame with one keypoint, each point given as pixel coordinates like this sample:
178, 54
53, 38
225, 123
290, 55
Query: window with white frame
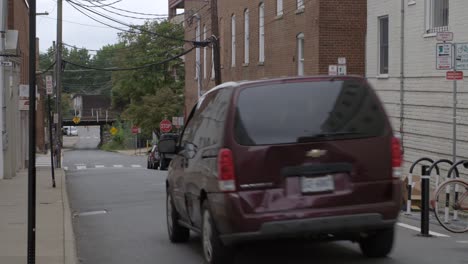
300, 54
197, 53
213, 73
383, 45
233, 40
246, 36
437, 15
261, 33
279, 7
205, 49
300, 4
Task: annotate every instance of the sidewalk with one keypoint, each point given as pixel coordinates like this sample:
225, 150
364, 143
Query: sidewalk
54, 233
131, 152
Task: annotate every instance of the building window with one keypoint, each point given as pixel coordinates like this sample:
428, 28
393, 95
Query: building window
383, 45
279, 7
246, 36
437, 15
197, 53
300, 54
300, 4
233, 40
261, 33
205, 49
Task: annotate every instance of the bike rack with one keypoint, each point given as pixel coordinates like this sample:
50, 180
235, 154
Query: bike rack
449, 175
410, 180
447, 190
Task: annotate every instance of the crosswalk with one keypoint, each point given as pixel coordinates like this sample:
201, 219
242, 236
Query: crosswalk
43, 162
100, 166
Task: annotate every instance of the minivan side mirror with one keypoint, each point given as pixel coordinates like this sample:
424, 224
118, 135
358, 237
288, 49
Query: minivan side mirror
167, 146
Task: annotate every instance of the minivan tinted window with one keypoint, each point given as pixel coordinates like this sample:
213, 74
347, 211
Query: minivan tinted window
307, 111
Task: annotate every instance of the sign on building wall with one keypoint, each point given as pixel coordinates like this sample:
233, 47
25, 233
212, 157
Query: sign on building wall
462, 56
332, 70
444, 56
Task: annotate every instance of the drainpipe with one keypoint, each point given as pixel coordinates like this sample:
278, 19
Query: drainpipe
3, 29
402, 72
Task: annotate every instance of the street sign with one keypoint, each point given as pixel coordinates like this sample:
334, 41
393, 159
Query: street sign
76, 120
49, 85
444, 36
461, 54
23, 105
135, 130
6, 63
55, 118
178, 121
342, 69
342, 60
444, 56
454, 75
332, 70
165, 126
114, 131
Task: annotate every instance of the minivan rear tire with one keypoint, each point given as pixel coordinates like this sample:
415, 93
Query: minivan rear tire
219, 253
378, 244
177, 233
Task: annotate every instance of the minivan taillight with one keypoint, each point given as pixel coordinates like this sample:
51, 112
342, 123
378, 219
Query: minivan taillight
397, 157
226, 176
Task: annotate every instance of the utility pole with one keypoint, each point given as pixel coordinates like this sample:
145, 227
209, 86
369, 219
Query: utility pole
3, 27
58, 78
32, 136
216, 46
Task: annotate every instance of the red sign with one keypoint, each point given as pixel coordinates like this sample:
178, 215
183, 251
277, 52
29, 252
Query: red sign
135, 130
165, 126
454, 75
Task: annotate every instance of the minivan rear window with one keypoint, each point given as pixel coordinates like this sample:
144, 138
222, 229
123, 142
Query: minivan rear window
306, 112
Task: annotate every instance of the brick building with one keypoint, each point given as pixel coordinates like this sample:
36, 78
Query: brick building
273, 38
401, 65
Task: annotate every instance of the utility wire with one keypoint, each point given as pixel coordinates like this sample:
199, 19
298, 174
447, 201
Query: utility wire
136, 13
103, 5
133, 68
131, 26
48, 68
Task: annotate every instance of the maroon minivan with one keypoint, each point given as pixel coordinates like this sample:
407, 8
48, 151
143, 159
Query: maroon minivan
303, 157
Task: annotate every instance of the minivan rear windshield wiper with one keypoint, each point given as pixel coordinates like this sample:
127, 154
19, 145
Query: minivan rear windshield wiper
320, 136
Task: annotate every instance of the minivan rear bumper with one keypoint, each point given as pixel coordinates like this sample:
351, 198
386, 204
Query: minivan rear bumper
353, 224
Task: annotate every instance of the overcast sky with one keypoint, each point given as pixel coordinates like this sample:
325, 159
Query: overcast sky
89, 34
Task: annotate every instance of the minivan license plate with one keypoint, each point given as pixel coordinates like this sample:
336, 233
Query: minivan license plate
317, 184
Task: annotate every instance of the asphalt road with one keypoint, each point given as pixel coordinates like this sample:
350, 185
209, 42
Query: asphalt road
124, 221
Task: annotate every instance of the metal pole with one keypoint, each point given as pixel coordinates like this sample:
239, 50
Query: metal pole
402, 74
455, 88
216, 46
59, 82
425, 181
32, 136
49, 117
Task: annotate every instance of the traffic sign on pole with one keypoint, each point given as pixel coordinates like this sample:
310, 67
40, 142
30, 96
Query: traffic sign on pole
444, 55
165, 126
444, 36
461, 56
49, 85
135, 130
454, 75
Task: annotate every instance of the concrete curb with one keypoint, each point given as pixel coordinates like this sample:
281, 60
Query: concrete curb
69, 245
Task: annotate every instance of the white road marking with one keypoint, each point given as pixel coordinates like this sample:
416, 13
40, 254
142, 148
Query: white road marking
419, 230
462, 242
92, 213
81, 167
118, 166
88, 137
136, 166
65, 168
96, 137
100, 166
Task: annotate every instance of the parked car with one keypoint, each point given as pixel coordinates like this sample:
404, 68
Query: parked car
73, 131
310, 157
65, 131
153, 158
167, 157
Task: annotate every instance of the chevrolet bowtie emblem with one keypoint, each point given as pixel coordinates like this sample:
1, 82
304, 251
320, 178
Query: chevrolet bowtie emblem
316, 153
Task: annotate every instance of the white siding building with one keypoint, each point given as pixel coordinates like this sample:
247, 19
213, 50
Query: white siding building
416, 95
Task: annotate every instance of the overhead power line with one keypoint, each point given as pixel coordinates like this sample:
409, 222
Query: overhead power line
102, 5
139, 28
133, 68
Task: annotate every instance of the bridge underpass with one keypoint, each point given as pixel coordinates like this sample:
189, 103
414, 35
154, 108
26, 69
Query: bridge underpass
92, 121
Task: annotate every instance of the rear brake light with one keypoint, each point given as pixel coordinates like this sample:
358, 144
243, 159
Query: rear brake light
226, 176
397, 157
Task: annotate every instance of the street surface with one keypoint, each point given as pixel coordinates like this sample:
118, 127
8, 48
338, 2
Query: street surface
119, 218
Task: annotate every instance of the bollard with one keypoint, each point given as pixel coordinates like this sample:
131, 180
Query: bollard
410, 188
425, 190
